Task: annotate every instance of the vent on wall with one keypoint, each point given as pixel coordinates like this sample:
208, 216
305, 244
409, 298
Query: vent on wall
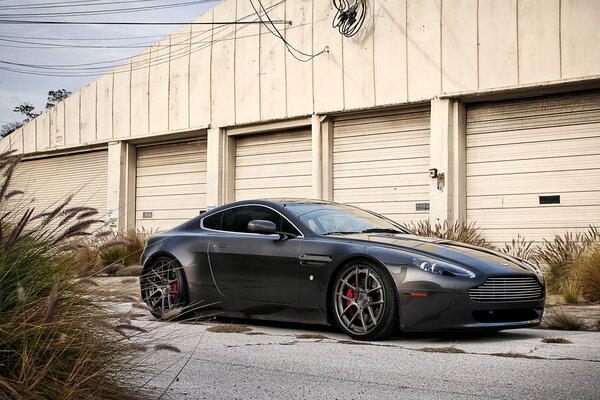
422, 207
147, 214
553, 199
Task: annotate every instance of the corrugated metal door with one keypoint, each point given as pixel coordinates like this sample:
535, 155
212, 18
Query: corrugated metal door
170, 184
533, 165
48, 182
273, 165
380, 163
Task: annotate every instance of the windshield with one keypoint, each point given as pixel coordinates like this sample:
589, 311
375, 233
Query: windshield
330, 219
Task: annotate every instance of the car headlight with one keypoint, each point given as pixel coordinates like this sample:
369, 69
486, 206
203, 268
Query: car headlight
441, 268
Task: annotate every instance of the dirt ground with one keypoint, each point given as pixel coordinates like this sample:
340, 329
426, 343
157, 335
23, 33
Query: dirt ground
588, 312
124, 287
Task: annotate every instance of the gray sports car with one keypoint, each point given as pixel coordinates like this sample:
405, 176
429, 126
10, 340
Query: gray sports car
319, 262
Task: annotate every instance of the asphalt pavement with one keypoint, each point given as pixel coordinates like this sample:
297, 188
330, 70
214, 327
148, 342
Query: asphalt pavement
279, 361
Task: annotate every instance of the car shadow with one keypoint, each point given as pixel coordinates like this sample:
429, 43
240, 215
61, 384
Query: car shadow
431, 337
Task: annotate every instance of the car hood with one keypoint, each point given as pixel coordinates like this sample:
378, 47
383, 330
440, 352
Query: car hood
473, 256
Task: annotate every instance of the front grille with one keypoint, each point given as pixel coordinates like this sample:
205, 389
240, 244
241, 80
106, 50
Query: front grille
507, 289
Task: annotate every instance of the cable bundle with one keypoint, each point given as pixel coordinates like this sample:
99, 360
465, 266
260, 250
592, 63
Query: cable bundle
350, 16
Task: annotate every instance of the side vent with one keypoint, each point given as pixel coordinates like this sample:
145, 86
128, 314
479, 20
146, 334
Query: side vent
422, 207
553, 199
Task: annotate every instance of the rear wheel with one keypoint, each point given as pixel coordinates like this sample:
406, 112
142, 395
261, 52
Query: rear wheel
163, 288
364, 301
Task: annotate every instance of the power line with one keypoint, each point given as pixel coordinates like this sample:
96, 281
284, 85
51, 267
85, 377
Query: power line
274, 31
70, 4
27, 22
107, 11
85, 69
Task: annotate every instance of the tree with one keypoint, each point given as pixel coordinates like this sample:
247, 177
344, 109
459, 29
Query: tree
28, 110
56, 96
9, 127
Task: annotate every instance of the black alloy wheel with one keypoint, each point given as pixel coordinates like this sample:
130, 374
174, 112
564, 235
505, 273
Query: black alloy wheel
163, 287
364, 301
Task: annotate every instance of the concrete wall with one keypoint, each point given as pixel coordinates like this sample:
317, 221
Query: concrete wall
408, 50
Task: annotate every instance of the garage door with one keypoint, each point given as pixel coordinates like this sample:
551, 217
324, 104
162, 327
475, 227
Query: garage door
48, 182
273, 165
533, 166
170, 184
380, 162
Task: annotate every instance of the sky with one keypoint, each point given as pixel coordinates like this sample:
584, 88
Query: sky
56, 45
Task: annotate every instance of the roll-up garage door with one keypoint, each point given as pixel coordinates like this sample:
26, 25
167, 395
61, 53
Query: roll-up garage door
273, 165
170, 184
48, 182
381, 162
533, 165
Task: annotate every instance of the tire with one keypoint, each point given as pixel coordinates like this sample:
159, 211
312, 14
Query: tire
164, 288
364, 301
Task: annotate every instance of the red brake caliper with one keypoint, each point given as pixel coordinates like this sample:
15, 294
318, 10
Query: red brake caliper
350, 293
174, 290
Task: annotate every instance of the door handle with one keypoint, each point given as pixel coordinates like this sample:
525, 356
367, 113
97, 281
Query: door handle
221, 245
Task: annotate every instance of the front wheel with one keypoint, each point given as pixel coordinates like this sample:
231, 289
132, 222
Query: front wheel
364, 301
163, 288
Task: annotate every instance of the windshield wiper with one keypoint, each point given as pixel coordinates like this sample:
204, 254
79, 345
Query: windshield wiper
381, 230
339, 233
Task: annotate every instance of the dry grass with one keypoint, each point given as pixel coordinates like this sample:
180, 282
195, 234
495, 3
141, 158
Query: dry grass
460, 231
311, 336
561, 320
557, 340
517, 355
446, 350
570, 290
135, 240
132, 270
230, 328
56, 341
521, 248
588, 269
560, 253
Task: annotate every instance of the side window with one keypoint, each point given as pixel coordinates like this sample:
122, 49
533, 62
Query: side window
236, 219
287, 227
213, 222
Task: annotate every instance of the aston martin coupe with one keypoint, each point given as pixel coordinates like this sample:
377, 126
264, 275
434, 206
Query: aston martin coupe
319, 262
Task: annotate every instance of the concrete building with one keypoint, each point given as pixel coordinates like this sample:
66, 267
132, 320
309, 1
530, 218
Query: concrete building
498, 97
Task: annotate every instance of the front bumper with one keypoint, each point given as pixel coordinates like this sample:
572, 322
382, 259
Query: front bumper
438, 310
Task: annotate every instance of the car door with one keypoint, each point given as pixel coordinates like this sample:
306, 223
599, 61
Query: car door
251, 266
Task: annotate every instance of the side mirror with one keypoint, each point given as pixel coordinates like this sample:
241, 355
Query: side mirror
262, 226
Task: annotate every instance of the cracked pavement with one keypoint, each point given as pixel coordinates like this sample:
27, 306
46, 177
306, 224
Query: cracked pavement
293, 361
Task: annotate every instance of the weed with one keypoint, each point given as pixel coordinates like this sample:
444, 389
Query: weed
557, 340
563, 321
460, 231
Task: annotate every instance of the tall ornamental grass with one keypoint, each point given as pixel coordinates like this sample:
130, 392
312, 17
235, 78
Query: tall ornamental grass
55, 341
